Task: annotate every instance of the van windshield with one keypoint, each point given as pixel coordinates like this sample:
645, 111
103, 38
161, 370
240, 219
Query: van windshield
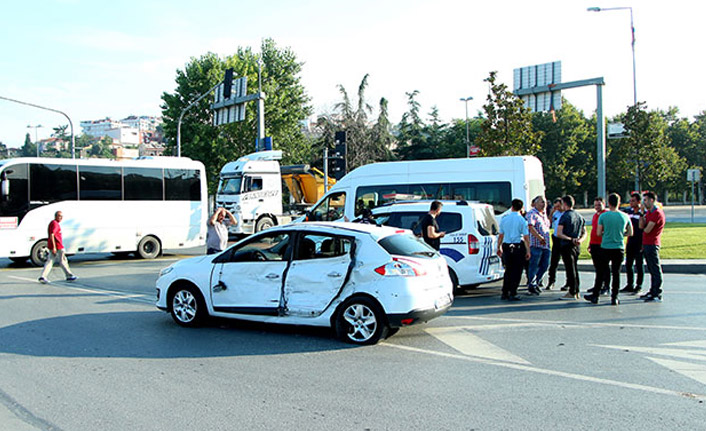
230, 185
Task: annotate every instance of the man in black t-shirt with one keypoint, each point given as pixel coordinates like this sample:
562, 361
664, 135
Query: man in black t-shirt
430, 228
633, 251
572, 232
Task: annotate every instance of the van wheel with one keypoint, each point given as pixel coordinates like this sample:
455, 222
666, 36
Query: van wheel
264, 223
40, 253
361, 321
149, 247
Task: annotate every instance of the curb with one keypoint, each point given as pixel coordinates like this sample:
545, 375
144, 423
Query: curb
667, 268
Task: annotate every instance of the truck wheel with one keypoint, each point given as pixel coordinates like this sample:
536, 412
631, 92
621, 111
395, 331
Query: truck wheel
149, 247
264, 223
40, 253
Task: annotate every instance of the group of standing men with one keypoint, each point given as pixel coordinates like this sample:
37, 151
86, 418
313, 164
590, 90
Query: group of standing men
524, 244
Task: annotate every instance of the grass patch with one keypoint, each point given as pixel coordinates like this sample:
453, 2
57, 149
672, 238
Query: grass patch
679, 241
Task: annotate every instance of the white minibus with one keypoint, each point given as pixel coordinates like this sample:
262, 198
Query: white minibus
492, 180
141, 206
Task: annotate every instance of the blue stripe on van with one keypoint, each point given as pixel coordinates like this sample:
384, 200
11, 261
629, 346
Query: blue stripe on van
453, 254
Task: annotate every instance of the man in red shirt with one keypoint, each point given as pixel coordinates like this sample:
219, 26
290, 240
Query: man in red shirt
56, 251
594, 248
652, 225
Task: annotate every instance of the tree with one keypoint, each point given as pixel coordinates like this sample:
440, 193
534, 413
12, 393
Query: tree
412, 139
647, 149
29, 149
286, 107
507, 129
3, 150
102, 148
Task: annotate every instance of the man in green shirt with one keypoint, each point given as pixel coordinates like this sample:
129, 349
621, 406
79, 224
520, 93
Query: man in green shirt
613, 226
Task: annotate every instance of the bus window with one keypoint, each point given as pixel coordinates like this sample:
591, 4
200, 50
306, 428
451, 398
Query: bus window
52, 183
496, 193
143, 184
100, 183
16, 202
182, 185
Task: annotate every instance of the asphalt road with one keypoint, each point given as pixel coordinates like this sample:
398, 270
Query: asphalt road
97, 354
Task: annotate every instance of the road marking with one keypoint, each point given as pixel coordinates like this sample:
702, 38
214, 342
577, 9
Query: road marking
698, 355
579, 377
696, 343
582, 324
137, 297
472, 345
688, 369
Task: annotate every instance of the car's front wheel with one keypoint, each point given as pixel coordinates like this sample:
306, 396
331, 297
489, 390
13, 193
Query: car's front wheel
361, 321
187, 306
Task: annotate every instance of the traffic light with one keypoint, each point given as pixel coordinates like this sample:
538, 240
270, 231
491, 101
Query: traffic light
337, 167
228, 84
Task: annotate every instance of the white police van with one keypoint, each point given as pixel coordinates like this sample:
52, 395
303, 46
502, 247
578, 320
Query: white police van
471, 236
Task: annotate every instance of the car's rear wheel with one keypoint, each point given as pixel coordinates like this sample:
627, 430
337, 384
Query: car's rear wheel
361, 321
187, 306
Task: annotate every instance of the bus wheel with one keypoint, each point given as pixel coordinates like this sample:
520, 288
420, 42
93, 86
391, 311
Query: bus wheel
149, 247
40, 253
264, 223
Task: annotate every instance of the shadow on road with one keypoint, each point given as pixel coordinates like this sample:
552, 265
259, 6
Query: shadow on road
152, 334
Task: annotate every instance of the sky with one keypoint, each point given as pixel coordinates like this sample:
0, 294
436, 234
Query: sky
97, 59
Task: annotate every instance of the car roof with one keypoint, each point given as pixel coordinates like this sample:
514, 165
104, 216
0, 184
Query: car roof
424, 205
342, 228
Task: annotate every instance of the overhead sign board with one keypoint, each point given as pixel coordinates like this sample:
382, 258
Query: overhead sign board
693, 175
540, 75
230, 110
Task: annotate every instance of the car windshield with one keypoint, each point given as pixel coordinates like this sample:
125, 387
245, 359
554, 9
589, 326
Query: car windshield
230, 185
406, 245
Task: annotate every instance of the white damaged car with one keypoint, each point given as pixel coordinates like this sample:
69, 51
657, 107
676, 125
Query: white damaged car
362, 280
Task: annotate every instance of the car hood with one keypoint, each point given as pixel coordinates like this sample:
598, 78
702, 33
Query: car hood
194, 261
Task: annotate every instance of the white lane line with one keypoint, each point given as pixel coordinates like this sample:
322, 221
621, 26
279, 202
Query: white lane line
472, 345
136, 297
698, 355
690, 370
579, 377
695, 343
581, 324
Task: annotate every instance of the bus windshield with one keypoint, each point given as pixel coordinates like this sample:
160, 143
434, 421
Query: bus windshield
230, 185
14, 199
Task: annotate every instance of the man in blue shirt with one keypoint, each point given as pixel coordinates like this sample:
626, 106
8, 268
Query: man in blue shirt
514, 247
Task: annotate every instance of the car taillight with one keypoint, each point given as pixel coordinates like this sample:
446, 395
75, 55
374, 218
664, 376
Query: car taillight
401, 267
473, 245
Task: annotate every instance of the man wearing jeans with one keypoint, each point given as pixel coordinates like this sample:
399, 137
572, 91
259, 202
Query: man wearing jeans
538, 224
652, 225
572, 232
557, 212
634, 265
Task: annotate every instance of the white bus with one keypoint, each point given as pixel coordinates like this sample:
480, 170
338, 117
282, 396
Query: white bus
492, 180
141, 206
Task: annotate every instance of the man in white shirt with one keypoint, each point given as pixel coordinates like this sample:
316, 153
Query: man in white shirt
217, 234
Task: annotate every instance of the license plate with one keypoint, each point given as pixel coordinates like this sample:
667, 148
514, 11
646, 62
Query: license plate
442, 302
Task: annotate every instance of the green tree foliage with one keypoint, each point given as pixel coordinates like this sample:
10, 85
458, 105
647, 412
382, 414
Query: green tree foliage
366, 141
507, 129
102, 148
412, 136
285, 107
568, 166
29, 149
647, 148
3, 151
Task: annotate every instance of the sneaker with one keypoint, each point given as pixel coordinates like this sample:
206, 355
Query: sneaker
627, 289
533, 291
570, 296
43, 280
71, 278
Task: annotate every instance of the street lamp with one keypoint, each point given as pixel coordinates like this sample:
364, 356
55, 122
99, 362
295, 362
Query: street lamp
632, 30
634, 80
468, 140
36, 142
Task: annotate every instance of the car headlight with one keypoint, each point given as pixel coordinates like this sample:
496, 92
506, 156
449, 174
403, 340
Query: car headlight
166, 271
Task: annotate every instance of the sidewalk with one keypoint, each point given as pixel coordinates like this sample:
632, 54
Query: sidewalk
670, 266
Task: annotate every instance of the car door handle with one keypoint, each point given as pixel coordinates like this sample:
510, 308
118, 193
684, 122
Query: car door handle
334, 274
272, 276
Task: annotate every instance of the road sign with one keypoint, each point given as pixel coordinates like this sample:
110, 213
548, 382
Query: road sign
540, 75
230, 109
693, 175
473, 150
616, 131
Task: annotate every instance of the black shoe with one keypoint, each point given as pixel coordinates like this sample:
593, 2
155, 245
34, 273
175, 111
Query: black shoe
605, 291
590, 298
550, 286
533, 291
614, 301
653, 298
646, 295
564, 288
590, 290
627, 289
636, 290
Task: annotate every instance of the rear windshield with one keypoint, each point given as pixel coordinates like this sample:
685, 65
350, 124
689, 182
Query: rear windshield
487, 225
448, 222
406, 245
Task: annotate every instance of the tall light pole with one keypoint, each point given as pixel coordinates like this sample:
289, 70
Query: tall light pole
468, 139
36, 142
634, 80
